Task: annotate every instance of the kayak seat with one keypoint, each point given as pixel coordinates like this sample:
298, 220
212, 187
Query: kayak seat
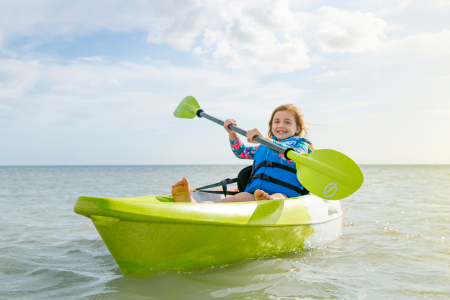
242, 181
243, 178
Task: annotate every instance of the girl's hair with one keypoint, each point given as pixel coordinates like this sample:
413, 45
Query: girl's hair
298, 120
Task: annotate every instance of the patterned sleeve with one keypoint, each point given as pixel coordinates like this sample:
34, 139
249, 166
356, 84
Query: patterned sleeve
302, 146
240, 151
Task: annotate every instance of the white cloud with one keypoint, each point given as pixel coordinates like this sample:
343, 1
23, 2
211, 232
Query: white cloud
58, 105
438, 3
391, 7
180, 27
349, 31
92, 59
262, 36
48, 19
275, 15
329, 74
423, 45
243, 46
19, 77
265, 36
237, 34
84, 78
48, 97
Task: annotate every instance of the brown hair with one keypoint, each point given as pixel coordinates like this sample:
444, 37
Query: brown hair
298, 120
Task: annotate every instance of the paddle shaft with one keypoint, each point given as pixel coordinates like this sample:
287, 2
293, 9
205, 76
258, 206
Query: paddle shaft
263, 141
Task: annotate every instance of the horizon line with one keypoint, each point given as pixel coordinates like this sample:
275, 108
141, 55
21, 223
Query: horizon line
119, 165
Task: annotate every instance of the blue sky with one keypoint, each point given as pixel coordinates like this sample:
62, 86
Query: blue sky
96, 82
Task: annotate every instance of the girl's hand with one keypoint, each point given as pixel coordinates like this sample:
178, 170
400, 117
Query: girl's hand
251, 134
229, 122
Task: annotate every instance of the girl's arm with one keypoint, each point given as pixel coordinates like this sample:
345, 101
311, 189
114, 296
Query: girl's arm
240, 150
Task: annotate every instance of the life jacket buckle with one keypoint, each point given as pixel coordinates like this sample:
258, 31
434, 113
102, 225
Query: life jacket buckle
269, 164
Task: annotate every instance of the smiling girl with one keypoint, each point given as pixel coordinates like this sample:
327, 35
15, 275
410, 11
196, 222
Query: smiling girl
273, 176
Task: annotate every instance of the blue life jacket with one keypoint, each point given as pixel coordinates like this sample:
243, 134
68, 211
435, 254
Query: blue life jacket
273, 174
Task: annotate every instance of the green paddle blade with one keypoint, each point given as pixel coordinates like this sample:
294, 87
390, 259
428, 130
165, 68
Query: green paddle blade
187, 108
327, 174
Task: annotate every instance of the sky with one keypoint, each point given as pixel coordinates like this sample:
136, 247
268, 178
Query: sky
96, 82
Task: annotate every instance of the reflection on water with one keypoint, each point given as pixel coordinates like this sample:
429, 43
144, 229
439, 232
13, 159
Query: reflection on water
395, 243
273, 277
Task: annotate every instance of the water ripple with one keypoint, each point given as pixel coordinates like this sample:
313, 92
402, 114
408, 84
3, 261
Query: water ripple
395, 243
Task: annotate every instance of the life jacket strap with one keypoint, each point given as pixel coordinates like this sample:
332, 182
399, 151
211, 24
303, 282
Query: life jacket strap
282, 183
274, 165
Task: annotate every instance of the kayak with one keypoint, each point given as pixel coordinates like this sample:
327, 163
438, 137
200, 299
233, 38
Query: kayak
150, 234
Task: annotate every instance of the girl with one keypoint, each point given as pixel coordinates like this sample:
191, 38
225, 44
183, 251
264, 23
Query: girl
273, 177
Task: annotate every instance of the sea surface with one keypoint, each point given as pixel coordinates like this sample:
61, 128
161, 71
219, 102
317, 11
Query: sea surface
395, 242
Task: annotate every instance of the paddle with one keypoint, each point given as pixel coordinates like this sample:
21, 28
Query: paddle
326, 173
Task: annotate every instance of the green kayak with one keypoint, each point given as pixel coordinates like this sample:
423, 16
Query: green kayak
149, 234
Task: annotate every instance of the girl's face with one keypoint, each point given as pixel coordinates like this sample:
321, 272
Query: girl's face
283, 125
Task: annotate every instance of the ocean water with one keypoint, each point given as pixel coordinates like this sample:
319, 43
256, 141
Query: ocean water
395, 242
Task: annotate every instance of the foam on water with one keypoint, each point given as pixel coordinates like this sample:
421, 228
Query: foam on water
395, 243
